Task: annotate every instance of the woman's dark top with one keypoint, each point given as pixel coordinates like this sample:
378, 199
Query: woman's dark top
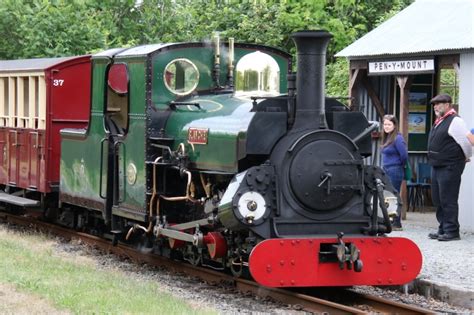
395, 153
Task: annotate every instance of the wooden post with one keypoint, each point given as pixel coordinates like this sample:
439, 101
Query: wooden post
373, 96
357, 69
354, 78
405, 83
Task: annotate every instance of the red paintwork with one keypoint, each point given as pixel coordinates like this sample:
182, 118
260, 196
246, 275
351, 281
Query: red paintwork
118, 78
3, 155
13, 157
69, 108
34, 162
295, 262
36, 144
23, 158
216, 244
175, 244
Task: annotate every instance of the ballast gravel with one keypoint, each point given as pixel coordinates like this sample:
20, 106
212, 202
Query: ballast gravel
224, 299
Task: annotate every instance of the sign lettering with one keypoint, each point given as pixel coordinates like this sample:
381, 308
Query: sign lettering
197, 135
401, 66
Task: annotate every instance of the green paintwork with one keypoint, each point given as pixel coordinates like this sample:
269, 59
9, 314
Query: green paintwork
225, 116
80, 154
203, 58
132, 151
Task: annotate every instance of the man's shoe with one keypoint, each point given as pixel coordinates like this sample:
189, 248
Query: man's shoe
434, 236
448, 237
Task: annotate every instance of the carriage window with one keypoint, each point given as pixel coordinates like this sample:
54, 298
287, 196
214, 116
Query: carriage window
257, 74
117, 99
181, 76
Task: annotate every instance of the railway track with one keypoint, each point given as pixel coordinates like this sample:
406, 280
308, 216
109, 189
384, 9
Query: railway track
342, 301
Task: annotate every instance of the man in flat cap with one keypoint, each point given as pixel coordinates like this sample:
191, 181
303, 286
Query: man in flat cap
448, 151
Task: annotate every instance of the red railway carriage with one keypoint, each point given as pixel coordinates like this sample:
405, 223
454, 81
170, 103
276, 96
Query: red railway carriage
38, 97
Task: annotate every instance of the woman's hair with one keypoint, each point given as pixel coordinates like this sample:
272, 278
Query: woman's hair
389, 138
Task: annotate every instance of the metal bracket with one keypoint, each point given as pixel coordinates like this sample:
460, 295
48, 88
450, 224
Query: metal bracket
348, 255
196, 239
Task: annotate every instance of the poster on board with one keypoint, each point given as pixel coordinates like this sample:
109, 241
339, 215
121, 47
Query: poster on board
416, 123
418, 102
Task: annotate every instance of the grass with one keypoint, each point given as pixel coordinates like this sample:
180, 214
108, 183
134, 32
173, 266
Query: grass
30, 263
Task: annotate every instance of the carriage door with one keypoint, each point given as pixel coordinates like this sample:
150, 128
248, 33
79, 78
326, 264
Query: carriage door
116, 122
13, 162
3, 155
36, 141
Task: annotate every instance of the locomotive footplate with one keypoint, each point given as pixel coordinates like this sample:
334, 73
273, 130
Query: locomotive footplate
302, 262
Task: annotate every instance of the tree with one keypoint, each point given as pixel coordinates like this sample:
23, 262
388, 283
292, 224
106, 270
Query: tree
42, 28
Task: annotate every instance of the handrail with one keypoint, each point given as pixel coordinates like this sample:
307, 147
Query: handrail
76, 133
120, 178
101, 166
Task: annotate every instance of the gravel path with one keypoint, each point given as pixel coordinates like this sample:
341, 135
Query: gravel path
443, 262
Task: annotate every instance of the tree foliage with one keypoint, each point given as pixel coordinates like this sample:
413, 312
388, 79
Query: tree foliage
42, 28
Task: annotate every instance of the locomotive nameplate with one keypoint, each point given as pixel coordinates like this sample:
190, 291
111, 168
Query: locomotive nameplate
197, 135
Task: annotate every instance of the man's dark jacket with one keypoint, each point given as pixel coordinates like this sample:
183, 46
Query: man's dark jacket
442, 148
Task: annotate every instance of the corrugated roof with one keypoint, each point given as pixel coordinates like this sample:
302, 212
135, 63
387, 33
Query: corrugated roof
423, 27
31, 64
109, 52
141, 50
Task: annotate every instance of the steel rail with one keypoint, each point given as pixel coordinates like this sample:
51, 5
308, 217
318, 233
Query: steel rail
306, 301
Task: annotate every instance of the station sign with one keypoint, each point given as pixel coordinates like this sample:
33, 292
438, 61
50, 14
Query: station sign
401, 66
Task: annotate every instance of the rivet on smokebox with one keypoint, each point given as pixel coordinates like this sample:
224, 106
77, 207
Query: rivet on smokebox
269, 268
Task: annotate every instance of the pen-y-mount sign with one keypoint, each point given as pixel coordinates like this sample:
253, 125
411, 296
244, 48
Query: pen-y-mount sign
401, 66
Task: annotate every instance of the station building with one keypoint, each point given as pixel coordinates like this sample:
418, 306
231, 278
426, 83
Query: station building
424, 50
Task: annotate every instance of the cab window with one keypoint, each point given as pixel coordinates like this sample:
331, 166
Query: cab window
116, 113
181, 76
258, 74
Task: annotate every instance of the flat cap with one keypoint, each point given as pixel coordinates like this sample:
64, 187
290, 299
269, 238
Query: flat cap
441, 98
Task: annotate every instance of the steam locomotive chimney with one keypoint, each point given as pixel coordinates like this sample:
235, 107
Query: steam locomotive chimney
311, 47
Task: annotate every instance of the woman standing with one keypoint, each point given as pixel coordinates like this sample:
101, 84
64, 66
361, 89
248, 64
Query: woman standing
394, 156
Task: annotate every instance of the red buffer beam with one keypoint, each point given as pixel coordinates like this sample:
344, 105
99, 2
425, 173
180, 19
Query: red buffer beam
296, 262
